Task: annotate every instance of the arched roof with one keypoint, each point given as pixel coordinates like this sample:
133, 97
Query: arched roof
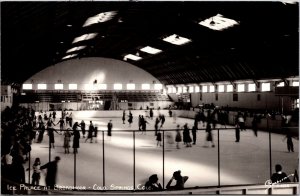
90, 70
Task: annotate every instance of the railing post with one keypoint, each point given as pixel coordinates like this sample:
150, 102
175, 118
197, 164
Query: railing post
219, 181
75, 167
29, 161
270, 147
103, 159
163, 139
49, 148
133, 160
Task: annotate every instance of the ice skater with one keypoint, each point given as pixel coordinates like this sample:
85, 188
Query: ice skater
90, 132
289, 140
178, 137
123, 117
109, 128
82, 125
237, 132
76, 137
51, 172
158, 138
130, 118
67, 139
156, 125
186, 136
209, 137
194, 133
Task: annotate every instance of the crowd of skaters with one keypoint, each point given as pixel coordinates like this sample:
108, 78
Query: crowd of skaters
21, 127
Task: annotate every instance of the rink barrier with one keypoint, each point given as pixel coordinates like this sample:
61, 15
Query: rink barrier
163, 154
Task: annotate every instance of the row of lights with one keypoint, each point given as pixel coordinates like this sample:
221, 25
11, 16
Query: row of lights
116, 86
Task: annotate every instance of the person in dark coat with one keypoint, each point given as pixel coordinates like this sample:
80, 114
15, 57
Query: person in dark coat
151, 113
254, 124
41, 132
82, 125
17, 173
109, 128
130, 118
51, 133
209, 137
237, 132
194, 133
152, 184
158, 138
178, 137
279, 176
180, 180
90, 132
76, 137
289, 142
163, 119
123, 117
51, 172
186, 135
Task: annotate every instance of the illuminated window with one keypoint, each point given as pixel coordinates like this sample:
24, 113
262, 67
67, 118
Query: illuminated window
218, 23
58, 86
89, 87
132, 57
130, 86
27, 86
176, 39
295, 83
204, 89
145, 86
72, 86
280, 84
118, 86
197, 89
184, 89
191, 89
179, 89
211, 89
174, 89
157, 86
265, 87
241, 87
150, 50
297, 103
251, 87
221, 88
170, 89
229, 88
42, 86
102, 86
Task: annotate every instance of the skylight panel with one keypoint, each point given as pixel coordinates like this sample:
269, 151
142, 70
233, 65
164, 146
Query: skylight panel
87, 36
101, 17
150, 50
218, 22
132, 57
76, 49
176, 39
69, 56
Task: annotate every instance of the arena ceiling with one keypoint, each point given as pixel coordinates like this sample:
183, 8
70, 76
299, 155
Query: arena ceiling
264, 44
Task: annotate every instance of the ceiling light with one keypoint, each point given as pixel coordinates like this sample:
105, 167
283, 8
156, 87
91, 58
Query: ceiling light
102, 17
69, 56
218, 22
176, 39
150, 50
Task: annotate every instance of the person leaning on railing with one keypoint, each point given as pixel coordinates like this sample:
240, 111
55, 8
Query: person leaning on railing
180, 180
